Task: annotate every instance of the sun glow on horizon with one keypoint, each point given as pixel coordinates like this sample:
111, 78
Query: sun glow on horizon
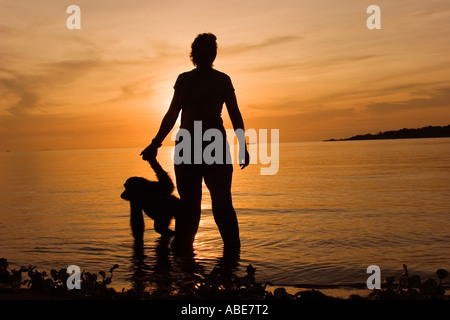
314, 72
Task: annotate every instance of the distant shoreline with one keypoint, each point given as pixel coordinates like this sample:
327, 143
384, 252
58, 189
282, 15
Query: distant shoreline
425, 132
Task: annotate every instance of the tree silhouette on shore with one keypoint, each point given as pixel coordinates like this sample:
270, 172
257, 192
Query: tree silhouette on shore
425, 132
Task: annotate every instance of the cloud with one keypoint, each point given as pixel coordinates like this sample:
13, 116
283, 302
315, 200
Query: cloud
438, 9
348, 59
5, 30
270, 42
18, 97
25, 92
294, 120
133, 89
437, 98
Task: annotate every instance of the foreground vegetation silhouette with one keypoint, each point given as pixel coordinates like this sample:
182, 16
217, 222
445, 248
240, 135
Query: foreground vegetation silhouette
212, 286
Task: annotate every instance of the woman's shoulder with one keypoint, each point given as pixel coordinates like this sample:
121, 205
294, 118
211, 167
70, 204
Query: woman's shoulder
185, 76
221, 74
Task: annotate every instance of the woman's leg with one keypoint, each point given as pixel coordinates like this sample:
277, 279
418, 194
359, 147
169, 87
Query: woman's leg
218, 179
189, 186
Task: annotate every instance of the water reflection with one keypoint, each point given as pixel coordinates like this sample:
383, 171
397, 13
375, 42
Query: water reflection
336, 209
163, 273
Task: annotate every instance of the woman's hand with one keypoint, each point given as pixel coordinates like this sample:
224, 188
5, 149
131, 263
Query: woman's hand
149, 153
245, 161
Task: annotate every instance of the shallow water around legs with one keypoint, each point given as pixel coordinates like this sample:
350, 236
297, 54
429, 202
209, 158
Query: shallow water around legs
333, 209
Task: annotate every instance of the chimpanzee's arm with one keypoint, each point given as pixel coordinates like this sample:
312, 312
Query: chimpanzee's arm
166, 186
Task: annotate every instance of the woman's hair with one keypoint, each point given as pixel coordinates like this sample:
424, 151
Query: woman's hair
204, 50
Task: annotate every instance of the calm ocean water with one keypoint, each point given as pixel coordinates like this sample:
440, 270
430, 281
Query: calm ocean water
333, 209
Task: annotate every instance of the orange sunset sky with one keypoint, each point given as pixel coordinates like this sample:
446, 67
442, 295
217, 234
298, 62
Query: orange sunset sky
311, 69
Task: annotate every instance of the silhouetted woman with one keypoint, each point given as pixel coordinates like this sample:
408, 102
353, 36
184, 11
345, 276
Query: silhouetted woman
200, 95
